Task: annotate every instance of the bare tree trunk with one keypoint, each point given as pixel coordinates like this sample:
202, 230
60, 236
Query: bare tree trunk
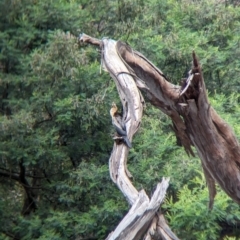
194, 122
142, 220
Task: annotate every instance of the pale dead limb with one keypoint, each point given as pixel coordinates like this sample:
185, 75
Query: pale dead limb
143, 211
137, 221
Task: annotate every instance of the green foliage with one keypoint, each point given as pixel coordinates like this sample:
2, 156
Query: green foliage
190, 218
54, 121
171, 30
156, 154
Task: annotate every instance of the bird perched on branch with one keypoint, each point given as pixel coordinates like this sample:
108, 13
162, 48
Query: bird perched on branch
119, 125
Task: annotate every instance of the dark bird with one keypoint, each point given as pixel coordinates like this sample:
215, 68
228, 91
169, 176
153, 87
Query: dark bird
119, 125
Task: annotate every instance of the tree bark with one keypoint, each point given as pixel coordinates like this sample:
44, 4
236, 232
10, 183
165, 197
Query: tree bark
195, 123
142, 219
194, 120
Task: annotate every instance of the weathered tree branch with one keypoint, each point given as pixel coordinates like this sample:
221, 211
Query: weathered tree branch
87, 39
160, 92
195, 122
135, 224
139, 221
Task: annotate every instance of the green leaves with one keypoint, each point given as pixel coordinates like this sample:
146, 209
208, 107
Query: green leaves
53, 118
190, 218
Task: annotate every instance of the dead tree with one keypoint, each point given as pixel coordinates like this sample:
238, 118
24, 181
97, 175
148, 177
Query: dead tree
195, 123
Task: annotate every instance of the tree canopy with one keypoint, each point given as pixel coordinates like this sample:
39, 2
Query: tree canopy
55, 128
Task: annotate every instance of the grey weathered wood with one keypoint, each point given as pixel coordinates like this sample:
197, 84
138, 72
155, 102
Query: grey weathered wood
136, 222
142, 212
132, 114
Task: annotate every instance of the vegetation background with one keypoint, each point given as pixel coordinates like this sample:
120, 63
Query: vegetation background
55, 129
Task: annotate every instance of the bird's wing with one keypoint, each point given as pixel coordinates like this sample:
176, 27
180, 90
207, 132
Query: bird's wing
117, 123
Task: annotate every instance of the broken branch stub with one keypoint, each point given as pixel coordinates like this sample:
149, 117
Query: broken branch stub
213, 138
135, 224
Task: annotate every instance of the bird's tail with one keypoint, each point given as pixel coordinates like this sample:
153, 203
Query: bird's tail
127, 142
